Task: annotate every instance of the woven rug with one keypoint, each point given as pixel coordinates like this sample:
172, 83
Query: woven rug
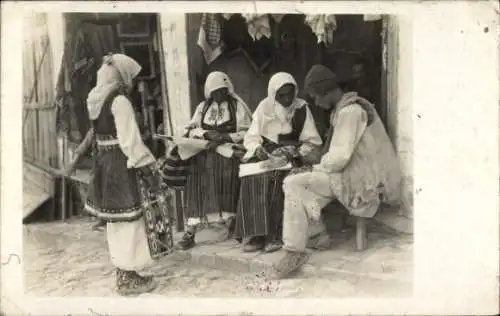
158, 210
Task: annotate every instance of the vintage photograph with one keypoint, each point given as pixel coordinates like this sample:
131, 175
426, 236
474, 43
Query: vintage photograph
216, 155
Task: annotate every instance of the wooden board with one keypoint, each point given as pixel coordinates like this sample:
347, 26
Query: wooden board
38, 187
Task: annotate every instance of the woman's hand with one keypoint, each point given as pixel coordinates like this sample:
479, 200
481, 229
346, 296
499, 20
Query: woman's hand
261, 154
149, 177
211, 135
223, 138
238, 153
212, 145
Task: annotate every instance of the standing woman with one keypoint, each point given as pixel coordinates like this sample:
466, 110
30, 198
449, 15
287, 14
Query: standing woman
120, 160
213, 183
283, 126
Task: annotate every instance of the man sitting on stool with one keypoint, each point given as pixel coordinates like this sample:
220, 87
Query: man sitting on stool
359, 167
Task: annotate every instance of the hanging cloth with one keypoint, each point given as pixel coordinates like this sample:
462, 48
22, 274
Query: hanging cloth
210, 37
258, 26
278, 17
371, 17
323, 25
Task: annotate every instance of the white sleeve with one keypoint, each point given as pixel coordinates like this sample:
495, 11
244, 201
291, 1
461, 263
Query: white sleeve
309, 137
193, 129
128, 134
243, 121
351, 124
252, 138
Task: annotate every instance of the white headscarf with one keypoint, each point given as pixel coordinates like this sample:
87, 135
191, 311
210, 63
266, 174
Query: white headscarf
272, 108
117, 70
216, 80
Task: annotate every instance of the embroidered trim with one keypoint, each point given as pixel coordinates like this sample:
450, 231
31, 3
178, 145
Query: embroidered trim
109, 142
128, 214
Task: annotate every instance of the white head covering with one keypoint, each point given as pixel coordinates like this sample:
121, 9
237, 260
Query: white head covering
216, 80
117, 70
271, 107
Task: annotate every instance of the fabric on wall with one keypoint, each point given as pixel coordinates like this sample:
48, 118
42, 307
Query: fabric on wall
83, 53
372, 17
210, 37
235, 34
323, 25
258, 25
248, 83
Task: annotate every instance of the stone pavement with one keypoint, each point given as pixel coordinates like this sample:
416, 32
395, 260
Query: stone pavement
69, 259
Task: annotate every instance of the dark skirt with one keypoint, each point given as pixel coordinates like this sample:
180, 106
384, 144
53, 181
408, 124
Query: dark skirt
260, 207
212, 185
114, 194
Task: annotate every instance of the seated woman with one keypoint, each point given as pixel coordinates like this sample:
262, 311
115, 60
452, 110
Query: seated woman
282, 126
213, 184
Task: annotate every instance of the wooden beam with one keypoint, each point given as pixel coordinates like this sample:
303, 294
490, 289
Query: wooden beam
174, 47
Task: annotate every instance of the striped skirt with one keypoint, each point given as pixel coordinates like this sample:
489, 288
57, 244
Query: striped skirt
212, 185
260, 208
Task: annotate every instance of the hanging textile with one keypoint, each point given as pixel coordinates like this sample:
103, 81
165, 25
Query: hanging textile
323, 25
258, 26
81, 58
210, 37
278, 17
371, 17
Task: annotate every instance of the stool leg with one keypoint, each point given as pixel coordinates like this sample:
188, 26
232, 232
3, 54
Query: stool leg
360, 233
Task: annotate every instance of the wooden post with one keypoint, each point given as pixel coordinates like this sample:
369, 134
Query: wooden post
179, 210
360, 233
62, 162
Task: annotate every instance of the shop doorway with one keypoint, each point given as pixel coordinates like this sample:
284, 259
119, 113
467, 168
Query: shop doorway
355, 50
89, 37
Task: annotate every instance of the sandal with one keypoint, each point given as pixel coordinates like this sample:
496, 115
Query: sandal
254, 244
187, 241
273, 246
289, 263
131, 283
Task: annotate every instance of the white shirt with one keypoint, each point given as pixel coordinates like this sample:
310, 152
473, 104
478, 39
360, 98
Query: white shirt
349, 125
128, 134
272, 127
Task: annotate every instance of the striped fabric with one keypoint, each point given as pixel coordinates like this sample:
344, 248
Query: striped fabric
212, 27
260, 208
212, 185
173, 170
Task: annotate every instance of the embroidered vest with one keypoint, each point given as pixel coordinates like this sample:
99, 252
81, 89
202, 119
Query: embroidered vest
104, 125
227, 127
372, 175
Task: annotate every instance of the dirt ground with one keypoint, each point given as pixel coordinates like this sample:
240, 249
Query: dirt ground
69, 259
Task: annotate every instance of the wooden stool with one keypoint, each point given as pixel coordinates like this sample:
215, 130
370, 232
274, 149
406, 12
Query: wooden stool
361, 239
360, 223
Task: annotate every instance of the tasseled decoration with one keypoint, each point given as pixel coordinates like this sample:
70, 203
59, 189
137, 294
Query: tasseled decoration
210, 37
258, 25
323, 25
